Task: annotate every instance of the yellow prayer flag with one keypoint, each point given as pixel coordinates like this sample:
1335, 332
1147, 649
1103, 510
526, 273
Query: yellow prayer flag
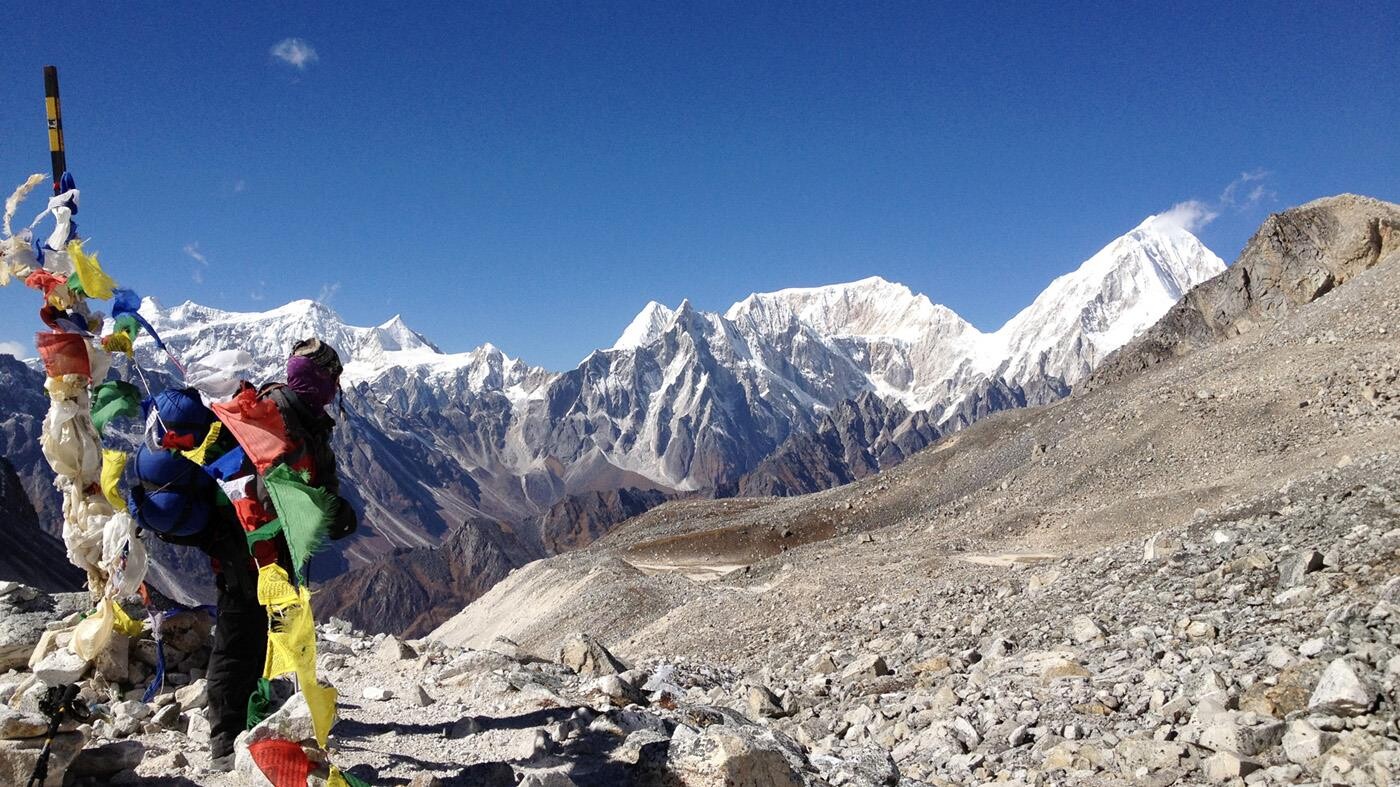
123, 623
197, 453
96, 283
113, 462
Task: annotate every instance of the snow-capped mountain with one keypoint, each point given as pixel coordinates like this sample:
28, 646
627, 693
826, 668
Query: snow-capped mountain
687, 401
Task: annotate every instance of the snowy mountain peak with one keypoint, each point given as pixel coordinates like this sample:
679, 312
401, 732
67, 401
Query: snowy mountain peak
1112, 297
650, 322
871, 307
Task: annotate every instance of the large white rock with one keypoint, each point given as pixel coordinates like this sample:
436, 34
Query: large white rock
18, 758
1342, 691
722, 755
60, 667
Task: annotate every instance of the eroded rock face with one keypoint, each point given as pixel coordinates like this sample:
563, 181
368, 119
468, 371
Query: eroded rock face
1296, 257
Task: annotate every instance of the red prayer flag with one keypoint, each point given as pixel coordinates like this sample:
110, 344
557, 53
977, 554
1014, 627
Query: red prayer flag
257, 425
282, 762
63, 353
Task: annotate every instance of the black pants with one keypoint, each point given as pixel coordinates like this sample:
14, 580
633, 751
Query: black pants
240, 639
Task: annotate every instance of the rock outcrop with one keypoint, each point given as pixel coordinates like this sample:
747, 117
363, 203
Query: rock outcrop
1294, 258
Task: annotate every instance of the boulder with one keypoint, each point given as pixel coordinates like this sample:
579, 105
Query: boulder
586, 656
1342, 691
724, 755
15, 724
18, 757
108, 759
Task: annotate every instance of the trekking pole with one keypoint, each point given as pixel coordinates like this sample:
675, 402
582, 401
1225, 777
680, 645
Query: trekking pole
57, 155
57, 702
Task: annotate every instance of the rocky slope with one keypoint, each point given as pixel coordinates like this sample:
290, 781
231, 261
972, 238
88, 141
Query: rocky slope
1181, 576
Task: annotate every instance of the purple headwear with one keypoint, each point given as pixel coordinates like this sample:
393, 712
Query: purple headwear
313, 372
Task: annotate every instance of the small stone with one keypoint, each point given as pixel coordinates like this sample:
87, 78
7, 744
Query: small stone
391, 648
866, 667
193, 696
1084, 630
1224, 766
1342, 691
1295, 567
197, 727
822, 664
1312, 647
168, 717
1062, 669
763, 703
1303, 742
376, 694
1200, 631
421, 697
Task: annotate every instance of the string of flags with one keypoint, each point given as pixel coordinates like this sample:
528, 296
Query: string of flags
104, 507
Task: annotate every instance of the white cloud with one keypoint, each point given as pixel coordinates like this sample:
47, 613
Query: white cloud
192, 251
239, 186
1230, 197
328, 293
1190, 215
1244, 192
14, 348
259, 293
295, 52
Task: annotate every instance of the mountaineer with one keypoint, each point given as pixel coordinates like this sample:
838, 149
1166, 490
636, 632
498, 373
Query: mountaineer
198, 487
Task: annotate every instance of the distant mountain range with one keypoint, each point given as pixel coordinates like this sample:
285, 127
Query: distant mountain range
783, 393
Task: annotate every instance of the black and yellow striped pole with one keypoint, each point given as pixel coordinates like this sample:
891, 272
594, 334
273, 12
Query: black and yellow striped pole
55, 112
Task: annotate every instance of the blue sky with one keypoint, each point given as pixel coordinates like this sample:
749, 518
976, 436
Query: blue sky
532, 173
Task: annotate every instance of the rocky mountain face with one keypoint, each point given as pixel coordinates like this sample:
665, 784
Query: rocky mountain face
27, 553
415, 590
857, 438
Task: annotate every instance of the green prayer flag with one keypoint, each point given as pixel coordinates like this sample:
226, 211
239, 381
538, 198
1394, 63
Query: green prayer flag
127, 324
114, 399
304, 511
269, 530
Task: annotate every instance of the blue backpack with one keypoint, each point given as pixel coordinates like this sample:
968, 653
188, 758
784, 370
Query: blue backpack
173, 496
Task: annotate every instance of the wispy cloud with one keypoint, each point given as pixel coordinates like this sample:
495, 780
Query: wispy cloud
295, 52
239, 186
1247, 191
1190, 215
259, 293
192, 251
328, 293
14, 348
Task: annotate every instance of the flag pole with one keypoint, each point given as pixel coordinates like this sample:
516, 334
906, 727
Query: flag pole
57, 155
